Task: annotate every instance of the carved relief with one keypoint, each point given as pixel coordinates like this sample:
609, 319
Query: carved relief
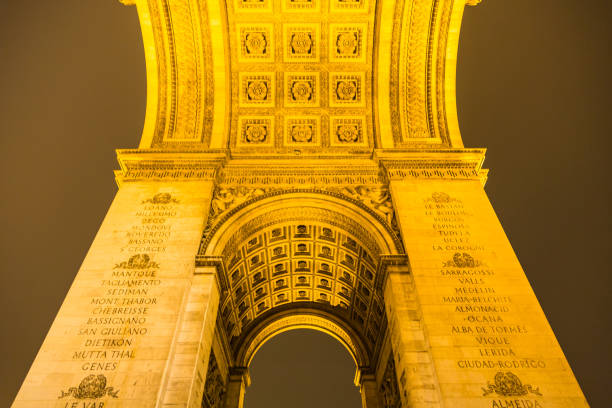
509, 385
302, 130
301, 89
138, 261
279, 55
303, 175
256, 42
161, 198
462, 260
257, 89
347, 42
346, 130
377, 198
301, 42
214, 388
389, 391
256, 130
346, 89
91, 387
226, 198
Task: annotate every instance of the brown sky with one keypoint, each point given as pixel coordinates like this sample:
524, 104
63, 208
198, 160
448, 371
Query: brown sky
533, 86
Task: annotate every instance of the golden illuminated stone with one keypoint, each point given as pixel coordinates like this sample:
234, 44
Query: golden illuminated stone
300, 166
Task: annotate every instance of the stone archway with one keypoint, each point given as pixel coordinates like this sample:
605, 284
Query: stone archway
301, 259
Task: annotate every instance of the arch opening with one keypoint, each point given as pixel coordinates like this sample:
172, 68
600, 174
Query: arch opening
304, 261
302, 366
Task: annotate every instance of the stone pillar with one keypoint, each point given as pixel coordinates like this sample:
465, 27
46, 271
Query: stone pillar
236, 384
414, 369
466, 292
191, 351
122, 335
369, 392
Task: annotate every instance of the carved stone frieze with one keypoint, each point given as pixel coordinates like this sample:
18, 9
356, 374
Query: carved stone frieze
301, 175
226, 198
214, 223
377, 198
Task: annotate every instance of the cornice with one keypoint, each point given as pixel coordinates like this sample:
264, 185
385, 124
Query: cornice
402, 164
375, 169
152, 164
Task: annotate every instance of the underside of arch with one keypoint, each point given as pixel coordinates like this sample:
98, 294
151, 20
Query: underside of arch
302, 317
371, 74
314, 255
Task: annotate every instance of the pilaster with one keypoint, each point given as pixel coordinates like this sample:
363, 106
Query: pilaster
131, 303
488, 337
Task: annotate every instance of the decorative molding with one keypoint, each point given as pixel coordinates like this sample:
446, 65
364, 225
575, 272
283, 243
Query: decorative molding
418, 73
301, 175
137, 165
442, 164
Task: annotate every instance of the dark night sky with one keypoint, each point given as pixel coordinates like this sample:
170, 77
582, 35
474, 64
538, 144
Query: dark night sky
533, 84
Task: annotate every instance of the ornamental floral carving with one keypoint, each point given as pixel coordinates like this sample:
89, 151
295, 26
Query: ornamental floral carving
346, 90
91, 387
509, 385
255, 133
301, 43
301, 91
347, 133
301, 133
257, 90
347, 43
256, 43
